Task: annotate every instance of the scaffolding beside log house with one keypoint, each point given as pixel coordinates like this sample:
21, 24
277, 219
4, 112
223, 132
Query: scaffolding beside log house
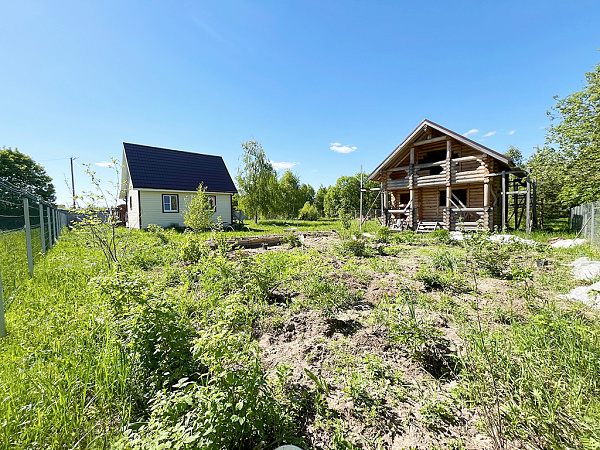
439, 179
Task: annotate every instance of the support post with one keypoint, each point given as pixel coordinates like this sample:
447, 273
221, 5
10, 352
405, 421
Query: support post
361, 199
503, 201
534, 201
2, 321
528, 206
592, 221
448, 218
386, 205
55, 216
411, 181
28, 235
42, 229
486, 203
49, 215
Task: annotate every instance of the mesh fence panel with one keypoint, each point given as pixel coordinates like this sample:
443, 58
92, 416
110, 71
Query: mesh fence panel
586, 218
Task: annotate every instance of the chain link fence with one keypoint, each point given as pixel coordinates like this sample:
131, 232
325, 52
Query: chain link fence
586, 219
29, 227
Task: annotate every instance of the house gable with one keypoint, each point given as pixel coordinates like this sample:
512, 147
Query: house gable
428, 136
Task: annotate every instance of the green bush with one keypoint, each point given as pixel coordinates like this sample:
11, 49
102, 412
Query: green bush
228, 409
443, 259
441, 236
354, 247
193, 248
384, 235
308, 212
406, 237
159, 342
442, 280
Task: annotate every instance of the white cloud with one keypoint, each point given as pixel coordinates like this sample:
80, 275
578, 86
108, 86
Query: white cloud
314, 170
283, 165
512, 132
104, 164
491, 133
470, 132
339, 148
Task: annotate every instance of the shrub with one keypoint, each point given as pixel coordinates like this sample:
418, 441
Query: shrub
445, 281
308, 212
354, 247
159, 342
384, 235
228, 409
441, 236
405, 237
442, 259
193, 248
198, 212
159, 232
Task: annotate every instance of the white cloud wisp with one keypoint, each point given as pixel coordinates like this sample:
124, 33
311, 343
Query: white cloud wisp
491, 133
283, 165
339, 148
473, 131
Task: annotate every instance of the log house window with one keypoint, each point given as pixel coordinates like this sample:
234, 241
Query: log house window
460, 194
170, 203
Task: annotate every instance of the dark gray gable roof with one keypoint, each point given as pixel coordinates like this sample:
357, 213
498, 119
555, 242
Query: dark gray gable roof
161, 168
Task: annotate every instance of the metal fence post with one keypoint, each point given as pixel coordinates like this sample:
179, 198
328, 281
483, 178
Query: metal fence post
28, 235
2, 321
592, 229
55, 237
49, 227
42, 229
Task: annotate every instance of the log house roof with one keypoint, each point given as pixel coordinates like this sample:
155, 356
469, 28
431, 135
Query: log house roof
418, 134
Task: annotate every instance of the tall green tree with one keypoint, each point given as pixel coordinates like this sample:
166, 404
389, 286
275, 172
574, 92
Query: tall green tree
344, 196
575, 135
515, 154
257, 181
23, 172
308, 193
547, 166
291, 197
320, 200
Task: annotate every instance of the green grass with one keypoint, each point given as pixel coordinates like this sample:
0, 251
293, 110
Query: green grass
158, 349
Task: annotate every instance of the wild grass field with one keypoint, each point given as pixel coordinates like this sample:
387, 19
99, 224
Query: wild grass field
401, 341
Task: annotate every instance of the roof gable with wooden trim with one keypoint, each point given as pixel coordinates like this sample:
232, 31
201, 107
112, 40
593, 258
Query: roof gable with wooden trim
429, 133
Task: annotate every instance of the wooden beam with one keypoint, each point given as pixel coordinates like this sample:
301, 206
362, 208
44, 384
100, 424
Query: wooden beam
503, 201
397, 169
431, 141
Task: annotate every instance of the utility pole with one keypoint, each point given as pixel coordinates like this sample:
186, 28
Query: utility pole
73, 180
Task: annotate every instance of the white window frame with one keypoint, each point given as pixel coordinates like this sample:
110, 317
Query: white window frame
170, 196
212, 199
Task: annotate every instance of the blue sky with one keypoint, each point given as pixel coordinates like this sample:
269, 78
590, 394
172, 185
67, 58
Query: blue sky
80, 77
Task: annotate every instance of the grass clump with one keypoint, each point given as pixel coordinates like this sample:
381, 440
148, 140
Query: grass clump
538, 381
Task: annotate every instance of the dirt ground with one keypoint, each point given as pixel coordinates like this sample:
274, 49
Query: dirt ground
395, 414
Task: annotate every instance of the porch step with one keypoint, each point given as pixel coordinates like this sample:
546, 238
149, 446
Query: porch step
428, 227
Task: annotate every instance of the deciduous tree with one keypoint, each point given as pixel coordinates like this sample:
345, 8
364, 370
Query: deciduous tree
257, 181
198, 212
575, 135
22, 171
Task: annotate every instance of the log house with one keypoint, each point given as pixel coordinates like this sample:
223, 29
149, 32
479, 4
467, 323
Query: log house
437, 178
